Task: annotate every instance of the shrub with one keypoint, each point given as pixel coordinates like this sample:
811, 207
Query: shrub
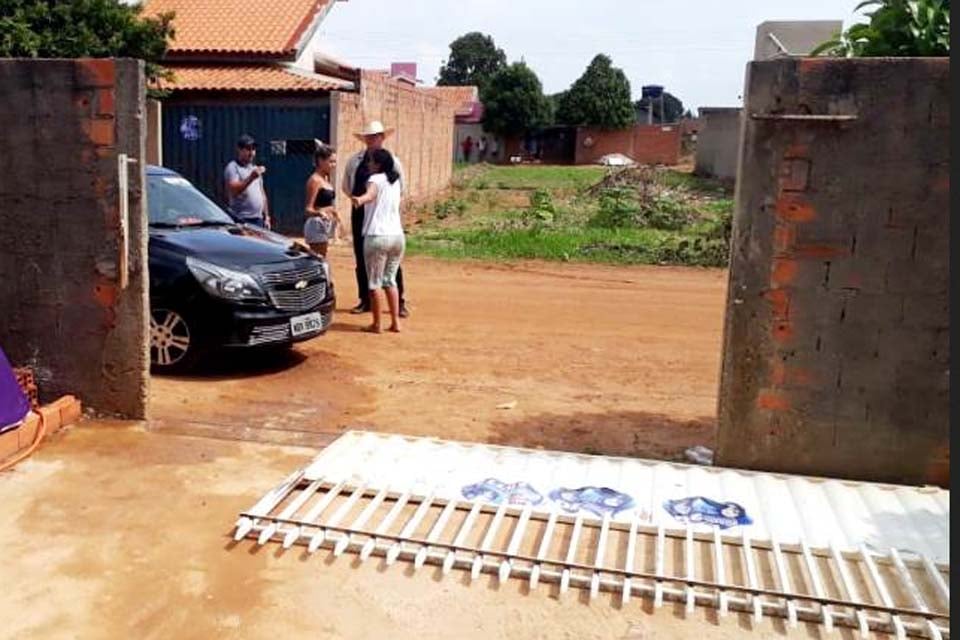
624, 207
445, 208
541, 210
896, 28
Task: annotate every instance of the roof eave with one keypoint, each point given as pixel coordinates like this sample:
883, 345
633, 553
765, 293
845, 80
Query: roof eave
223, 56
308, 28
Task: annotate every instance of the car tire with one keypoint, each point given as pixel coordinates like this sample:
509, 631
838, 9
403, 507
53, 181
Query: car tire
174, 344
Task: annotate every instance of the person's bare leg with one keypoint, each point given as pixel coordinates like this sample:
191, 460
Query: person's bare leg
393, 301
376, 307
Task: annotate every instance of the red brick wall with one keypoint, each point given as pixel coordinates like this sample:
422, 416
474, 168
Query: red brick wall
424, 124
647, 144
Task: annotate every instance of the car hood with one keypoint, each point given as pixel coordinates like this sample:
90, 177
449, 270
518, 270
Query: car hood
235, 246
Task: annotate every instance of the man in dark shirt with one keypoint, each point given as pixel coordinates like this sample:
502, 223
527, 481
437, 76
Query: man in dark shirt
355, 177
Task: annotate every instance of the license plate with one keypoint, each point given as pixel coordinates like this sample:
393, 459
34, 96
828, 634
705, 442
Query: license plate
306, 324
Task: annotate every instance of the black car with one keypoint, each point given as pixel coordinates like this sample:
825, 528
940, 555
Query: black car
217, 283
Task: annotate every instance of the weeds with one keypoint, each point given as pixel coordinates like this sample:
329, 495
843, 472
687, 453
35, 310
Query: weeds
445, 208
541, 210
634, 216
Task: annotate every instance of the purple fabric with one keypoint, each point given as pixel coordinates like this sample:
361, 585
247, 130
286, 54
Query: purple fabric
14, 405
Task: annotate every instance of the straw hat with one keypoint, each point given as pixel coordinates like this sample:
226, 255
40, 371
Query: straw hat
373, 128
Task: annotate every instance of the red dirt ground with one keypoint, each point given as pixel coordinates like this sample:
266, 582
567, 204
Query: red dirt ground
599, 359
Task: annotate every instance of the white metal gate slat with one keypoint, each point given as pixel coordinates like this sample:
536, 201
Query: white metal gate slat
850, 590
435, 532
904, 593
545, 540
615, 582
515, 540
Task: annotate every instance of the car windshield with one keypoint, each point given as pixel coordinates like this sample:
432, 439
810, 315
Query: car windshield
173, 201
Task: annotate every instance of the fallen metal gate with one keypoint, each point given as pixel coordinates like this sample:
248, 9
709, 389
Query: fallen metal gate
895, 592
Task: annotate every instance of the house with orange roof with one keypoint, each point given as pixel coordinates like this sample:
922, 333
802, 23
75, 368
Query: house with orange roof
260, 68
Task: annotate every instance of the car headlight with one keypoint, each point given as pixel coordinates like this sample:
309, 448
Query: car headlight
226, 283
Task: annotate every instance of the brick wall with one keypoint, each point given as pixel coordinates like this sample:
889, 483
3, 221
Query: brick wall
424, 124
62, 309
836, 356
647, 144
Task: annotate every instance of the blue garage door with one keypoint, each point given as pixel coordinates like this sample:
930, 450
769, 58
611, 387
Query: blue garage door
198, 141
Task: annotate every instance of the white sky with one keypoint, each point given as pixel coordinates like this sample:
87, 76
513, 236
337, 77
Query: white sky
697, 49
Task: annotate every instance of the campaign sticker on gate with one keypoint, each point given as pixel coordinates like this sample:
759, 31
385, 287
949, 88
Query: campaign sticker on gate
190, 128
600, 501
496, 491
700, 510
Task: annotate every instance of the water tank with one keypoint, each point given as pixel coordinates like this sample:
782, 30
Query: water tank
651, 91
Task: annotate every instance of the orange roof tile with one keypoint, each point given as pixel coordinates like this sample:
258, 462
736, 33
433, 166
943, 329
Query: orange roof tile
248, 78
238, 27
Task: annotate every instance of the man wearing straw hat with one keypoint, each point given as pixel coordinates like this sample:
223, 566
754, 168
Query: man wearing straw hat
355, 177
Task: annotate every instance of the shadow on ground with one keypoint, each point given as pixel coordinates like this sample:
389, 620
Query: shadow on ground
243, 363
617, 433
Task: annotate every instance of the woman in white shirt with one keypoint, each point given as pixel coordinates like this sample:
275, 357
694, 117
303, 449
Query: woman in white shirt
383, 239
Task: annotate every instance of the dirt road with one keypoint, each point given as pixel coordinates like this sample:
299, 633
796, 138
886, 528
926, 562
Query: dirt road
113, 531
616, 360
118, 530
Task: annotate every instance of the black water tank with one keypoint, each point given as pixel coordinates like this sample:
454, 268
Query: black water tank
651, 91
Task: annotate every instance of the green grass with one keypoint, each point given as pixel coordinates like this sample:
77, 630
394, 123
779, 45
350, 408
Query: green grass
536, 177
538, 212
611, 246
691, 182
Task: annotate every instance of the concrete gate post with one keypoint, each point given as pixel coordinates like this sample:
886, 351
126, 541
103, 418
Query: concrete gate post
836, 349
66, 308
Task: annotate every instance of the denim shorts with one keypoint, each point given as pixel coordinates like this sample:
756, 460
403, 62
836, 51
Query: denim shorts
317, 229
382, 255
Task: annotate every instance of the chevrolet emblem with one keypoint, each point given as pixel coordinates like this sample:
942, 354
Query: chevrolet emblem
301, 285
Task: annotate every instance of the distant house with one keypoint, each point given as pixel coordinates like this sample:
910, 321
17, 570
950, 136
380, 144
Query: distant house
260, 68
469, 124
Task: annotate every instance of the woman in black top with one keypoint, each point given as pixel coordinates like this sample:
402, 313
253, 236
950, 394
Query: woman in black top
322, 218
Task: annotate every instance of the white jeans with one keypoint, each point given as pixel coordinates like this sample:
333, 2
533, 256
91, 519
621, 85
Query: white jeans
382, 255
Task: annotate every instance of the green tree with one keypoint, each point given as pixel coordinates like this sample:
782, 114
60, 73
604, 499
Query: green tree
474, 58
600, 97
672, 105
84, 28
553, 101
897, 28
514, 101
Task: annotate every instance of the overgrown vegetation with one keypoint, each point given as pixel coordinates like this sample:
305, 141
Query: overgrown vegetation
896, 28
631, 216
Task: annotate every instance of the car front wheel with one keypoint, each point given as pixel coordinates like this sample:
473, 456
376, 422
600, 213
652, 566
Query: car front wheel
173, 346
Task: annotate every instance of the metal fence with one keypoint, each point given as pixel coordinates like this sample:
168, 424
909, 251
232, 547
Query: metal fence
199, 140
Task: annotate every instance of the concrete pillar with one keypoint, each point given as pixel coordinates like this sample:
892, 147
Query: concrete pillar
836, 351
63, 308
154, 127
